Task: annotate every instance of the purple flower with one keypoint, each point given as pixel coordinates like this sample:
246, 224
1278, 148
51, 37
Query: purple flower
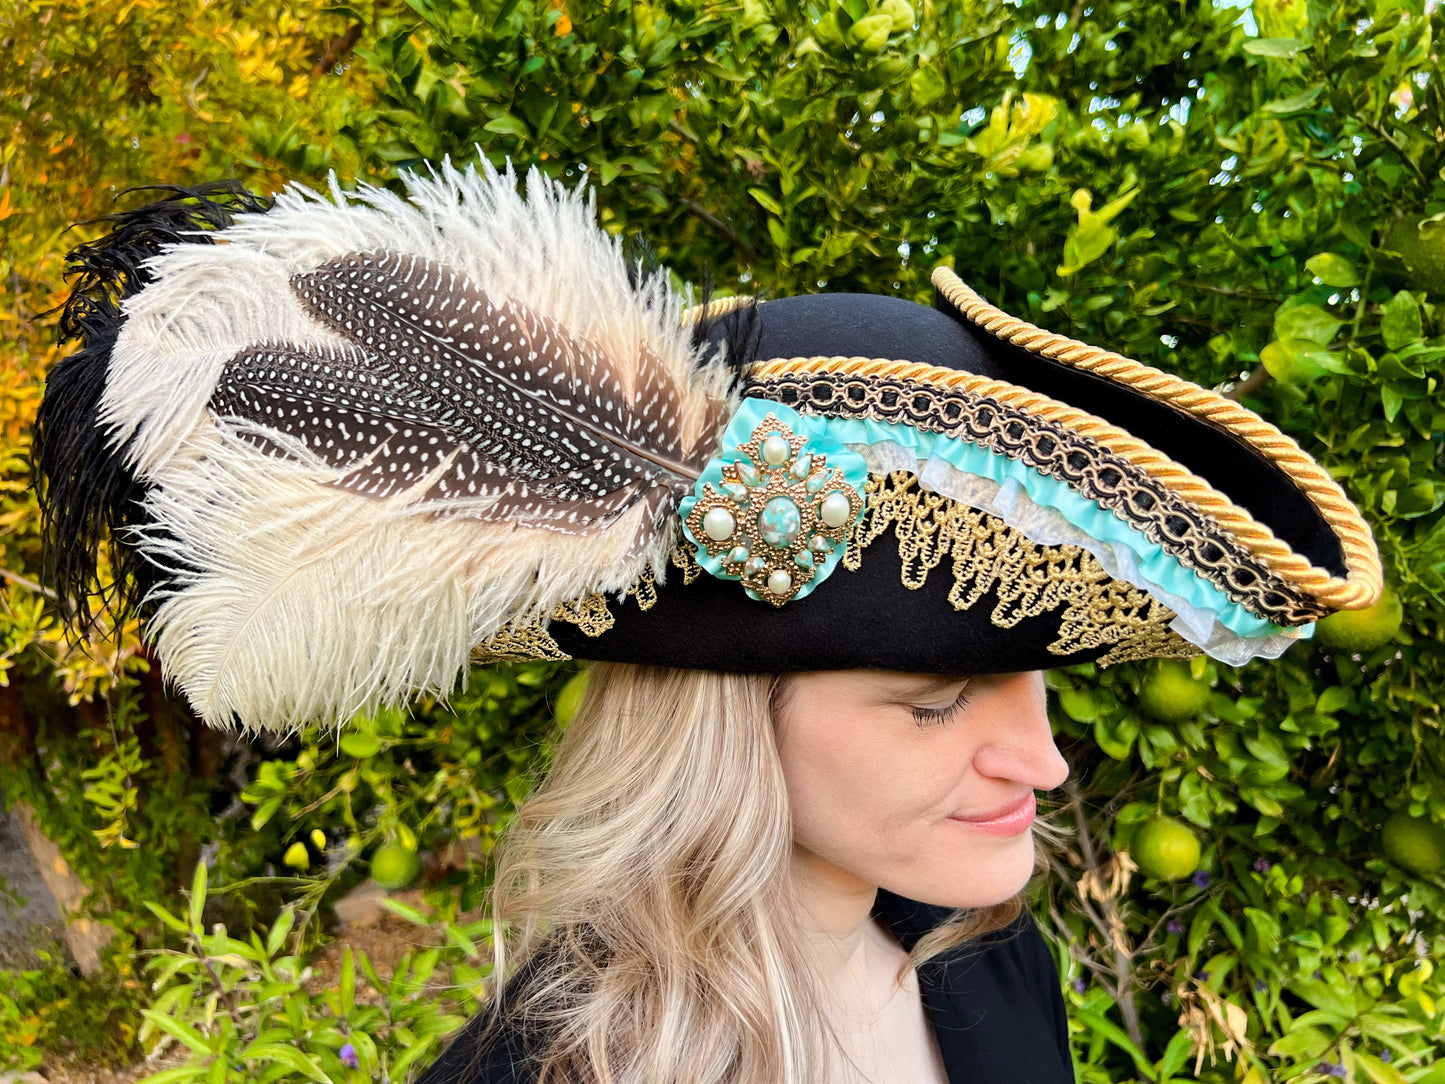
1080, 986
347, 1054
1200, 879
1261, 865
1386, 1056
1331, 1068
1174, 926
1260, 986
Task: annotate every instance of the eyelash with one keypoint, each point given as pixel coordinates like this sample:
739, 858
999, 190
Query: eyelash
939, 716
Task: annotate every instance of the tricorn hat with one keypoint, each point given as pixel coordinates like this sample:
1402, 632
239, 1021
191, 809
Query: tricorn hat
345, 444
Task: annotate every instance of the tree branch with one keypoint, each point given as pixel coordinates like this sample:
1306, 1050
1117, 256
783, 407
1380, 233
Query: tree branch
745, 250
1249, 385
1112, 921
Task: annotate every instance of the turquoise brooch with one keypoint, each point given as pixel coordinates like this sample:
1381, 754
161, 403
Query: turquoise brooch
774, 512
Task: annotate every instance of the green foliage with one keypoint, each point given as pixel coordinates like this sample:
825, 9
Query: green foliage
1248, 197
245, 1009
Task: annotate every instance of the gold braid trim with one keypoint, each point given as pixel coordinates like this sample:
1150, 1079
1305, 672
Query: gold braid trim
1029, 579
1364, 577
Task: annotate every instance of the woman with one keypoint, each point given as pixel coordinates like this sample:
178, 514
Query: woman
724, 877
821, 545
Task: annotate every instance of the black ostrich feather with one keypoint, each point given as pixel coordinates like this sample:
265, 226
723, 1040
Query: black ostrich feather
88, 497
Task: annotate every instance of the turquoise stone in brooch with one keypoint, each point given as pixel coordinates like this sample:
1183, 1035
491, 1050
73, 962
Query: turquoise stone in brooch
774, 508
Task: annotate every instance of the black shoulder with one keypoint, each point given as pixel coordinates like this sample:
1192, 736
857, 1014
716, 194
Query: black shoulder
484, 1051
991, 999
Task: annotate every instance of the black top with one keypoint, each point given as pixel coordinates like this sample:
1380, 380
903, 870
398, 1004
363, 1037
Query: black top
995, 1004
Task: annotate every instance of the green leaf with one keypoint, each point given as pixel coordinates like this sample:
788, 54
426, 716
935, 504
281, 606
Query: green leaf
767, 201
1295, 103
406, 911
1392, 398
357, 744
179, 1030
166, 917
1114, 1034
1301, 1043
1321, 995
1333, 270
347, 982
509, 124
198, 897
1306, 322
265, 811
288, 1056
1275, 47
1377, 1070
1290, 361
279, 929
1400, 320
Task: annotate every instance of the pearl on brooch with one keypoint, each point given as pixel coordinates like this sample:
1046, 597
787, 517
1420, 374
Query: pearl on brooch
780, 581
775, 450
835, 510
719, 524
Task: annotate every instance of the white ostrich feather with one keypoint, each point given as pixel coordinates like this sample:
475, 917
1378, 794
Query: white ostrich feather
307, 579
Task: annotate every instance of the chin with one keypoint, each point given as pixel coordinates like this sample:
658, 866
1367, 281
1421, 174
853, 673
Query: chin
983, 882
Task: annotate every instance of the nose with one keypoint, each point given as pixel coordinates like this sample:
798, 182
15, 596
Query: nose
1021, 747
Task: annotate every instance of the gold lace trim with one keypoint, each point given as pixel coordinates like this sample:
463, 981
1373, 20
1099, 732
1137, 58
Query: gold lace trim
984, 554
1029, 580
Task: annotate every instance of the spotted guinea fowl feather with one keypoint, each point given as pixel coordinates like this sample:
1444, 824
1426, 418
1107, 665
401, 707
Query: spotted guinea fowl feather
485, 398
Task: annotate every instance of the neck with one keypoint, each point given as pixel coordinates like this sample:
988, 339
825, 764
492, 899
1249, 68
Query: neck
835, 909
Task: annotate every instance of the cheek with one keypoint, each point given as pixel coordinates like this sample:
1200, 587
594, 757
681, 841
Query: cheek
849, 791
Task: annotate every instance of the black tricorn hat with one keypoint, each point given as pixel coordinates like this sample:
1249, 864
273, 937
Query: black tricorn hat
366, 438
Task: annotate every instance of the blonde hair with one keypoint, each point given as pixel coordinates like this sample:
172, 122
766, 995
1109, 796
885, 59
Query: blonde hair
645, 889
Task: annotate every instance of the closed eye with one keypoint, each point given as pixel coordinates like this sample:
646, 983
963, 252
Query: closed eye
937, 716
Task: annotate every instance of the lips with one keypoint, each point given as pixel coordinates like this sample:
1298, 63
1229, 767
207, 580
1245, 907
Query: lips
1006, 820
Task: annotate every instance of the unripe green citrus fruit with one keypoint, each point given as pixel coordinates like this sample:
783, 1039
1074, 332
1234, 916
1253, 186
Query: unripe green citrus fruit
1165, 848
1421, 244
393, 866
1170, 692
1356, 631
1416, 843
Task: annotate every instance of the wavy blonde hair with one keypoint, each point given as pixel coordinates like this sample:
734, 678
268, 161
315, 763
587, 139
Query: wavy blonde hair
645, 889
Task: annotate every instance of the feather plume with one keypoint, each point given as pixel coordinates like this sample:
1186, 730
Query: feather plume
87, 489
372, 430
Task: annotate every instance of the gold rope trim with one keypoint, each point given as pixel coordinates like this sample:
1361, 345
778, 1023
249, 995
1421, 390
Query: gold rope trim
718, 306
1364, 577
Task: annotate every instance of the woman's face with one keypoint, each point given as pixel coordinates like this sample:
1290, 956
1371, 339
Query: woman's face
920, 784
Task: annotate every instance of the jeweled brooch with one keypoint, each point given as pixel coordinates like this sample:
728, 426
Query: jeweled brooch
779, 518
